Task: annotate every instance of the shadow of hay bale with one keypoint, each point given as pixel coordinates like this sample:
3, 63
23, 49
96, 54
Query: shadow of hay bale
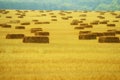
14, 36
108, 39
35, 39
33, 30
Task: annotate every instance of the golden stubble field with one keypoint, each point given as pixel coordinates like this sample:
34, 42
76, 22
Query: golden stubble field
65, 56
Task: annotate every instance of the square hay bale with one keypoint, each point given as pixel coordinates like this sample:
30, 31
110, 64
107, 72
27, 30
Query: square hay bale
109, 39
117, 31
111, 25
53, 19
14, 21
53, 16
94, 23
115, 20
78, 28
8, 16
83, 24
20, 27
20, 16
39, 33
33, 30
25, 23
84, 32
5, 26
88, 36
64, 18
109, 33
101, 17
88, 26
98, 34
35, 39
103, 22
38, 23
83, 19
74, 22
69, 16
118, 16
83, 15
35, 20
46, 22
14, 36
43, 15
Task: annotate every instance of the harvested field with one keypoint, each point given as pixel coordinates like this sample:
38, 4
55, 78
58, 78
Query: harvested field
78, 45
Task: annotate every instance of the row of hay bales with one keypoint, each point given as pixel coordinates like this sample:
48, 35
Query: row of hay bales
103, 37
39, 36
95, 22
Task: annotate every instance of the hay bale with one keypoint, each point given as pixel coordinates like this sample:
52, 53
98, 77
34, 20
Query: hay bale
5, 26
25, 23
64, 18
35, 39
83, 15
103, 22
39, 33
35, 20
88, 26
53, 16
80, 27
43, 15
83, 24
74, 22
84, 32
109, 33
83, 19
14, 21
46, 22
118, 16
20, 27
69, 17
88, 36
20, 17
109, 39
111, 25
98, 34
117, 31
101, 17
115, 20
38, 23
33, 30
14, 36
53, 19
94, 23
8, 16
